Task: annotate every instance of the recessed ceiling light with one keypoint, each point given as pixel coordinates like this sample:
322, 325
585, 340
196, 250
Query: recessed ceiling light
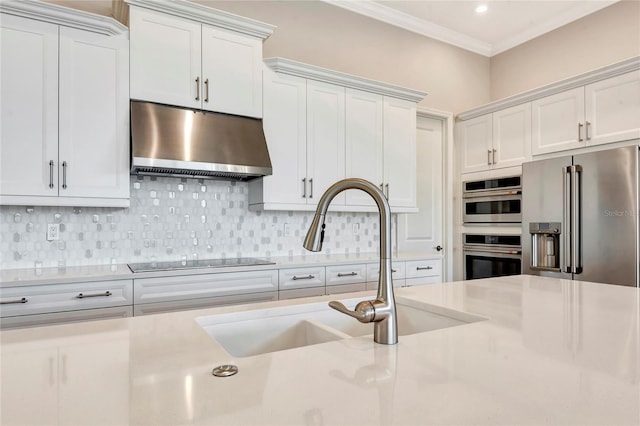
481, 9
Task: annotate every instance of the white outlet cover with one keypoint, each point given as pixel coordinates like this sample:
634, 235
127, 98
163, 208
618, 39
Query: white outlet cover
53, 232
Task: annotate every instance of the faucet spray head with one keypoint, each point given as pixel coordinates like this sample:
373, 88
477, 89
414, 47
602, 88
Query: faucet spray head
315, 234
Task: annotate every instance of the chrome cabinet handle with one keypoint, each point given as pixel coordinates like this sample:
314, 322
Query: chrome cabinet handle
382, 188
311, 186
11, 302
488, 157
350, 274
422, 268
494, 156
305, 277
304, 188
197, 88
51, 164
206, 90
64, 175
83, 296
587, 126
387, 188
580, 125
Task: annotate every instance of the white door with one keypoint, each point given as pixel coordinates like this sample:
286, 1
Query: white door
165, 59
476, 143
231, 72
558, 122
511, 136
612, 109
325, 139
422, 231
364, 144
29, 107
94, 118
285, 129
399, 152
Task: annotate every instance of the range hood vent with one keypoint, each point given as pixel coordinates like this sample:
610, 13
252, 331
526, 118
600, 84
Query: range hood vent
180, 142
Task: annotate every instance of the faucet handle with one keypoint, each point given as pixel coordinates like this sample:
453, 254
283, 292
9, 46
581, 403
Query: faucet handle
364, 311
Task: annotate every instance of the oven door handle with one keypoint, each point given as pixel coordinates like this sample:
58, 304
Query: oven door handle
491, 194
490, 250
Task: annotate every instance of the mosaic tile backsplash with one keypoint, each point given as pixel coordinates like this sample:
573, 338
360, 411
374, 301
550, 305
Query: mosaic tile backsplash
171, 219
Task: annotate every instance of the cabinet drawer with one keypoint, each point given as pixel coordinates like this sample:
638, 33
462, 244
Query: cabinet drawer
207, 302
346, 288
185, 287
397, 270
22, 321
301, 278
346, 274
423, 268
41, 299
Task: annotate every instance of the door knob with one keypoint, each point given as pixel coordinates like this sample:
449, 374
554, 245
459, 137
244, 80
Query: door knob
439, 248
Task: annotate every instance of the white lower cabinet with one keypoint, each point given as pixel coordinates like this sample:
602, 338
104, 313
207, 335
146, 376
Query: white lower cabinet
346, 278
301, 282
421, 272
182, 292
62, 303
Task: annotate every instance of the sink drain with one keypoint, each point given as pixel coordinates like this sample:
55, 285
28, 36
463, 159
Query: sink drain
226, 370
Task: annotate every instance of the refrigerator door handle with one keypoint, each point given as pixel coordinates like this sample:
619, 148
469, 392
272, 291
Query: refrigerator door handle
566, 219
576, 249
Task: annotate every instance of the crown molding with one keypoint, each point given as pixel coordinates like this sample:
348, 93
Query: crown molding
312, 72
120, 11
410, 23
65, 16
207, 15
622, 67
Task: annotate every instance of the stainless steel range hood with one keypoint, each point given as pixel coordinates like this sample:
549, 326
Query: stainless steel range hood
180, 142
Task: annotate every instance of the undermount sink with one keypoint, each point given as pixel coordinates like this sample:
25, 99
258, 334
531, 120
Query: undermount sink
262, 331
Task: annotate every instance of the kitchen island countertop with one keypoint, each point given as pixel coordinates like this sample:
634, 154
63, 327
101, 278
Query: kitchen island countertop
549, 352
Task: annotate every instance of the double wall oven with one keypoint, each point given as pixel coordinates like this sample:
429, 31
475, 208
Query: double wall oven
488, 206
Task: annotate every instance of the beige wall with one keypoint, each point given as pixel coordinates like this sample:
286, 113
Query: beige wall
607, 36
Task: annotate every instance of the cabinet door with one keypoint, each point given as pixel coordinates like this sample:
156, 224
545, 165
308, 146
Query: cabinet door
231, 72
325, 139
165, 59
511, 136
29, 99
476, 143
364, 143
285, 128
558, 122
612, 109
400, 152
94, 118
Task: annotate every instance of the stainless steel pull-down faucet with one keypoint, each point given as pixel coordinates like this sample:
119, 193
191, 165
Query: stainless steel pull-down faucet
382, 310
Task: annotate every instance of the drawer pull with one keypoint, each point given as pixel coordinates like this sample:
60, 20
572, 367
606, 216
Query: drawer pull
306, 277
350, 274
105, 294
10, 302
422, 268
394, 270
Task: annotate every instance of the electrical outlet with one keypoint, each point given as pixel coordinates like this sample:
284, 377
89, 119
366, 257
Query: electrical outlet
53, 232
287, 230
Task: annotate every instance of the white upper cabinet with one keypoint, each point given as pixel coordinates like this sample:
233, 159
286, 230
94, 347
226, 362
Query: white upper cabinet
364, 143
65, 117
498, 140
400, 152
322, 126
212, 63
612, 109
325, 140
598, 113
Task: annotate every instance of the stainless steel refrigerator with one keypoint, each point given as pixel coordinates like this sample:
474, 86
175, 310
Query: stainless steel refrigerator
580, 217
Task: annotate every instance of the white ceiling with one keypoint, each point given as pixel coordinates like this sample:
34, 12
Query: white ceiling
506, 24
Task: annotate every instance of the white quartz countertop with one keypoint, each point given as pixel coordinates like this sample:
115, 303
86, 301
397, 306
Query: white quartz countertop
549, 352
22, 277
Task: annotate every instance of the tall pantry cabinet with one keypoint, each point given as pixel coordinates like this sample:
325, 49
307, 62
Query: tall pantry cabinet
64, 136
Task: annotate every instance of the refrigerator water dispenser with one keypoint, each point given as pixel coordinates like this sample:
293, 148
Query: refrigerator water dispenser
545, 246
